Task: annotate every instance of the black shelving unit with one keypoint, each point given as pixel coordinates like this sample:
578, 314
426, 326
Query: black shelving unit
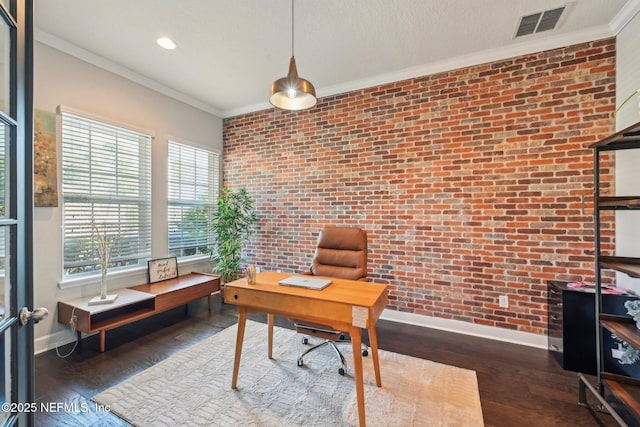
618, 394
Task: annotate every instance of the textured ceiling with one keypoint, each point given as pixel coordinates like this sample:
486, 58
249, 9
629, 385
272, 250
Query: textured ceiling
230, 51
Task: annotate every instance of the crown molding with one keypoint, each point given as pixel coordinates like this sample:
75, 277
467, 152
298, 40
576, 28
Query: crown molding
476, 58
248, 109
532, 45
101, 62
624, 16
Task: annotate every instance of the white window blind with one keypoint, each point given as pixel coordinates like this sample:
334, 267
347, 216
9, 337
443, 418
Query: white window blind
193, 194
106, 184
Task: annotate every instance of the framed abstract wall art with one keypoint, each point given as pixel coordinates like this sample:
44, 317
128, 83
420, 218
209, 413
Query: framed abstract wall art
45, 161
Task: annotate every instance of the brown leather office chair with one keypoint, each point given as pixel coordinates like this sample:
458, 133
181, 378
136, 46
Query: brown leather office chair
341, 252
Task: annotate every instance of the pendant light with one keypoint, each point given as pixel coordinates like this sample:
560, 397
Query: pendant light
292, 92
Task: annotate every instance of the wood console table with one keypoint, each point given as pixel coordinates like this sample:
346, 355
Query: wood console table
135, 303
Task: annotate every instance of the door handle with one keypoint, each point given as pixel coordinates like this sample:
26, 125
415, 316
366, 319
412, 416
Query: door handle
36, 315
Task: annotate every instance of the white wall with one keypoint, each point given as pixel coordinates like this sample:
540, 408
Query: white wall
61, 79
627, 176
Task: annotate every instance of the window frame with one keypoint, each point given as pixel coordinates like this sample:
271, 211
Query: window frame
143, 231
214, 179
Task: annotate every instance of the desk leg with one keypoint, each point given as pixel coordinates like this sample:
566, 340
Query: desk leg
209, 302
373, 340
242, 319
357, 366
270, 327
103, 339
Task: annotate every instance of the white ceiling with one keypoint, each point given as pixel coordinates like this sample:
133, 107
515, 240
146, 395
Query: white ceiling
230, 51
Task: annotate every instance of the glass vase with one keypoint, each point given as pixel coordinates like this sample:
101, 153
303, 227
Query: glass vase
103, 284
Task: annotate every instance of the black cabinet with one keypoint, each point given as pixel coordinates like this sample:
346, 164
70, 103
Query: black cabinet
572, 327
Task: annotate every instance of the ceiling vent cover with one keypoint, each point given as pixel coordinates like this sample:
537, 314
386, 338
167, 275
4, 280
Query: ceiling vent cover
538, 22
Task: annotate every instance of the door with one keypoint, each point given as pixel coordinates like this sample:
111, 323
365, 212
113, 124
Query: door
16, 213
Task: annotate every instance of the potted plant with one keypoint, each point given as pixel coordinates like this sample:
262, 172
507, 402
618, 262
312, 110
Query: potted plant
233, 225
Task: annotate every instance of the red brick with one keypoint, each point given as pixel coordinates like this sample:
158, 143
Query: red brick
468, 182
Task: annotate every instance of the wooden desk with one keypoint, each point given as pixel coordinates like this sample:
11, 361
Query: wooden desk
136, 303
345, 305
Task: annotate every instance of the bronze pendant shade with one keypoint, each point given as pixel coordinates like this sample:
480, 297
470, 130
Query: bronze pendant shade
292, 92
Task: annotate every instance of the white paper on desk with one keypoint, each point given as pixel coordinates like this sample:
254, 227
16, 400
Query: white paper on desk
360, 316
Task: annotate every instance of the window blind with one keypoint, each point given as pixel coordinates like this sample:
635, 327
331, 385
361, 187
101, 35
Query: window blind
106, 185
193, 193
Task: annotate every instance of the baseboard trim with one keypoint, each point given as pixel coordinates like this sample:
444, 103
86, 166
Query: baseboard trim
55, 340
466, 328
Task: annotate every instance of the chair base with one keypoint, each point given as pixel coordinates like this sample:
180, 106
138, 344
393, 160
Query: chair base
342, 370
331, 343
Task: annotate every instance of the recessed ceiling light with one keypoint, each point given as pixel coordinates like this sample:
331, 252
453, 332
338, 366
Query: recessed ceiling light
166, 43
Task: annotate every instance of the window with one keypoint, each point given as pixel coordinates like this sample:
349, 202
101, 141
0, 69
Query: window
106, 185
193, 194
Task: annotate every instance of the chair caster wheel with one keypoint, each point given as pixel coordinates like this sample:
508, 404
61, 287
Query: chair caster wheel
300, 362
365, 353
305, 340
341, 371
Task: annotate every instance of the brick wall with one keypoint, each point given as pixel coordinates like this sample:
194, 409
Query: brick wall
468, 182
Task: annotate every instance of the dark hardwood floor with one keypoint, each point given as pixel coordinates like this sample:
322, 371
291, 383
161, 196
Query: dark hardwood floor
519, 386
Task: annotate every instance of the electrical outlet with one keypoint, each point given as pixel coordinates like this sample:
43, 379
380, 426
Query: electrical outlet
503, 301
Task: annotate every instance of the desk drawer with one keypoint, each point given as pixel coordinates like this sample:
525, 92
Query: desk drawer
298, 307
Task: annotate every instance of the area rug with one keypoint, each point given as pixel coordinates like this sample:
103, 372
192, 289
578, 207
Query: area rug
193, 388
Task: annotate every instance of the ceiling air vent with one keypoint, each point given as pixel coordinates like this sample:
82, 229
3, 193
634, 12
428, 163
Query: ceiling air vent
538, 22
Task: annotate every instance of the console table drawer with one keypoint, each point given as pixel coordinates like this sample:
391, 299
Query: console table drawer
183, 296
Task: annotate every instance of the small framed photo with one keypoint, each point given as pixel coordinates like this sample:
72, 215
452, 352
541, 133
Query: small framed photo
162, 269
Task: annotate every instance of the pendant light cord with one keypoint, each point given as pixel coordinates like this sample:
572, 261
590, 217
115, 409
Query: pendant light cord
292, 28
